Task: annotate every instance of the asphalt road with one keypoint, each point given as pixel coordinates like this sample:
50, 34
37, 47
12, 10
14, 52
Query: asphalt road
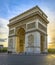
15, 59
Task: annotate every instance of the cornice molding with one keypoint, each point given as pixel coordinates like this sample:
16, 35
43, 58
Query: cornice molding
30, 15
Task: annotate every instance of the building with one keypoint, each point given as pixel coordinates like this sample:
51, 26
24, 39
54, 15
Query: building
28, 32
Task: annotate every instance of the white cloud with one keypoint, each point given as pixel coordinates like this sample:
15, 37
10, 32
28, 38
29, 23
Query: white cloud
3, 26
3, 31
4, 22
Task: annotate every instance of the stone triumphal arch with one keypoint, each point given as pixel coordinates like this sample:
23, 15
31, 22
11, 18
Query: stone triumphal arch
28, 32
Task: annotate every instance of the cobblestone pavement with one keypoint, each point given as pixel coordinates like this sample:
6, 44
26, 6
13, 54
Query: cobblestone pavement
18, 59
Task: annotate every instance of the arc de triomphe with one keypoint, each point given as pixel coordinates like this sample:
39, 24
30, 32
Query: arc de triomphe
28, 32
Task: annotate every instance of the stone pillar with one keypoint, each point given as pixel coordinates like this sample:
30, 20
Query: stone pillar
35, 46
12, 44
37, 43
9, 45
45, 44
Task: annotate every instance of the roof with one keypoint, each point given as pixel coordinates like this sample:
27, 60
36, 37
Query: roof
28, 12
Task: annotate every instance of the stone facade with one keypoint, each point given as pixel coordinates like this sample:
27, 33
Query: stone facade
28, 32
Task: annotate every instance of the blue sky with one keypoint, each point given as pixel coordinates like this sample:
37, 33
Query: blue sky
11, 8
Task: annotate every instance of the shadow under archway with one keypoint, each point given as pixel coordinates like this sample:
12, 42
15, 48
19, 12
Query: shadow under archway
20, 40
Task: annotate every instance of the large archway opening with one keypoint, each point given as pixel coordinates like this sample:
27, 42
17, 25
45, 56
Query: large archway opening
20, 40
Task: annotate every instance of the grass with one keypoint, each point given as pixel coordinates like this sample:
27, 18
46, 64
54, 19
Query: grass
51, 51
3, 49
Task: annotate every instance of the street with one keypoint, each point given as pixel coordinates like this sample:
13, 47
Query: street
18, 59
